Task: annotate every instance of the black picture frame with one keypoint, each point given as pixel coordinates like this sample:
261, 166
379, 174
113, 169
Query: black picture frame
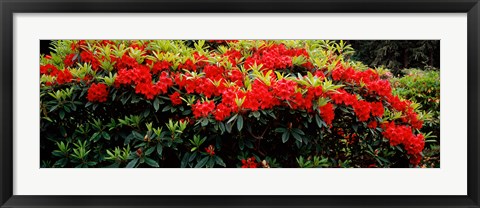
9, 7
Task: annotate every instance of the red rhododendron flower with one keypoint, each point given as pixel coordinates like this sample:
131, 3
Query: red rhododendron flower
126, 62
401, 134
377, 109
381, 87
415, 159
327, 113
97, 93
362, 110
237, 77
188, 65
221, 112
414, 144
149, 90
88, 57
175, 98
343, 97
164, 82
249, 163
372, 124
210, 150
412, 117
141, 74
49, 69
64, 77
205, 86
396, 103
160, 66
233, 56
203, 109
68, 61
284, 88
213, 72
124, 77
272, 57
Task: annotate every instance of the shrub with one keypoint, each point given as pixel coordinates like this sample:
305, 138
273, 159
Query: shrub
245, 103
423, 87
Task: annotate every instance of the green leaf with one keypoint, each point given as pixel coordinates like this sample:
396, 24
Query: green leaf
240, 123
232, 118
285, 136
151, 162
95, 137
211, 162
132, 163
219, 161
222, 127
202, 162
193, 156
114, 165
228, 127
184, 162
280, 130
137, 135
204, 121
149, 150
297, 136
318, 120
106, 135
241, 144
159, 149
166, 108
298, 131
156, 104
61, 114
62, 162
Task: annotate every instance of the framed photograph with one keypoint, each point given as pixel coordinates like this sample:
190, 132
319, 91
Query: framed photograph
239, 104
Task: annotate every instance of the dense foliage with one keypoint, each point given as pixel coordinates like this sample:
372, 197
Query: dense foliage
423, 87
397, 54
245, 103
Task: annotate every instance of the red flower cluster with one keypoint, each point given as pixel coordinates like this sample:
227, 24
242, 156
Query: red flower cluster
188, 65
372, 124
68, 61
404, 106
343, 97
175, 98
126, 62
210, 150
161, 66
362, 108
377, 109
327, 113
64, 77
249, 163
97, 93
284, 89
274, 57
222, 112
203, 109
49, 69
142, 78
401, 134
233, 56
88, 57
